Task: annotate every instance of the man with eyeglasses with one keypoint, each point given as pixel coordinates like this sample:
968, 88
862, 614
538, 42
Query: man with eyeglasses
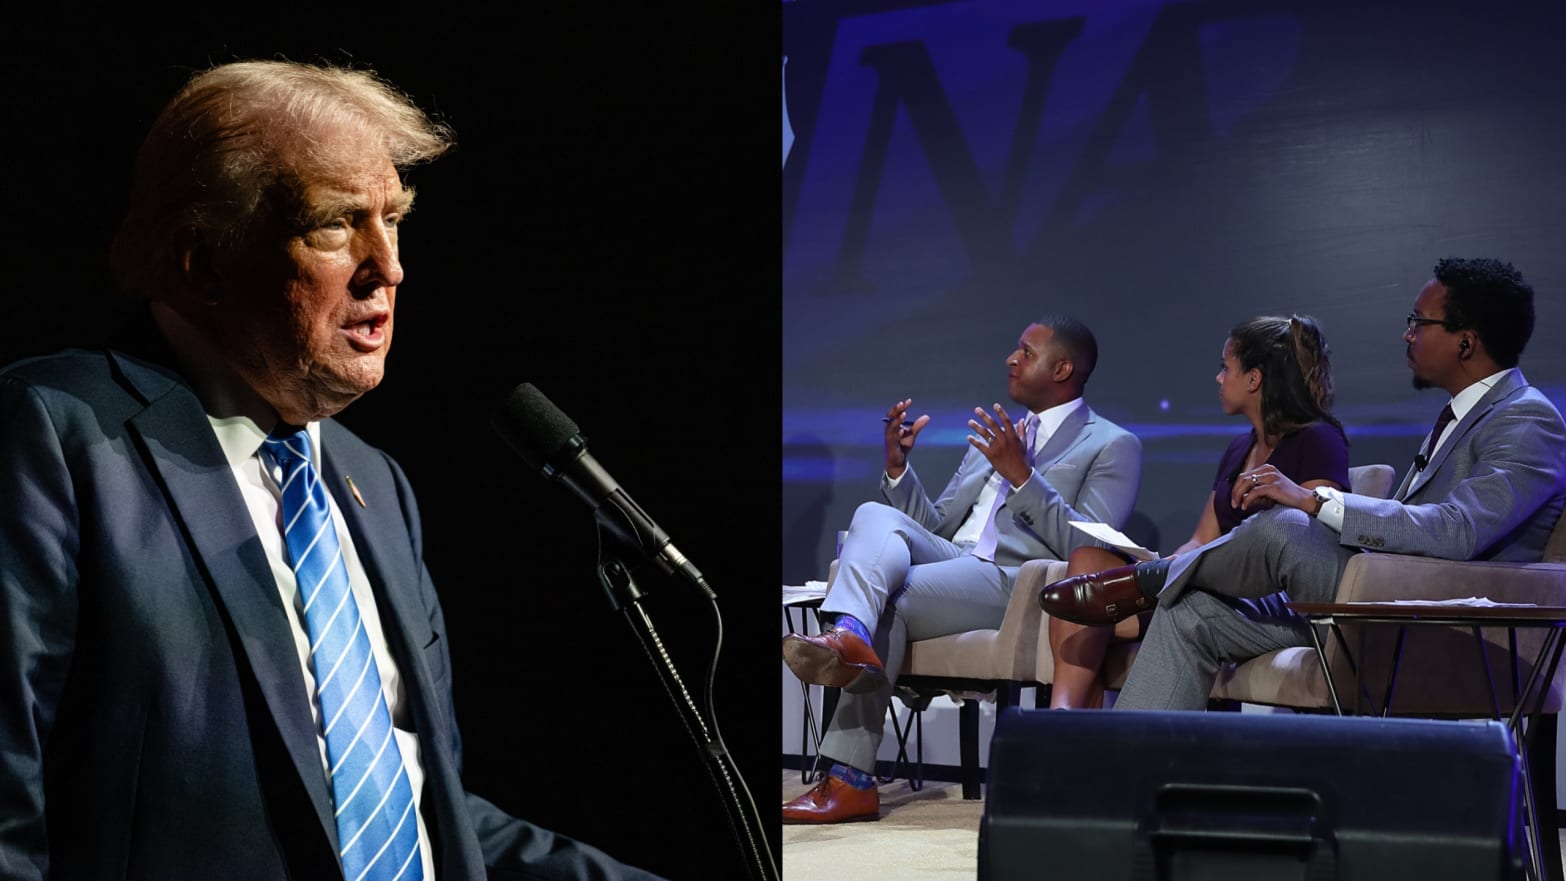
1488, 483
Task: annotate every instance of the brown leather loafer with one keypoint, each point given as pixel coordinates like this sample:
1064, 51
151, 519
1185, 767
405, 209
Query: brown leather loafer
833, 801
836, 658
1101, 599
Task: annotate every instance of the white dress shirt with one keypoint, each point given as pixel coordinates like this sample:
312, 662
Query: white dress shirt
259, 483
1332, 511
1049, 422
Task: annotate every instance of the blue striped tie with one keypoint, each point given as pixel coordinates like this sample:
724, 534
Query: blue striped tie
378, 835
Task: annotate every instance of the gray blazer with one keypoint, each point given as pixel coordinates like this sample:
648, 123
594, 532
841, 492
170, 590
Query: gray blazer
1493, 492
1090, 469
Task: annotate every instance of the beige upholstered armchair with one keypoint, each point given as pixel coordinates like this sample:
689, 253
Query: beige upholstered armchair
1441, 675
1003, 660
1017, 654
1442, 672
1010, 653
1373, 480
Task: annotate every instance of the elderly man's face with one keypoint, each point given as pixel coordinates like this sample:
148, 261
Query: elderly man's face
316, 286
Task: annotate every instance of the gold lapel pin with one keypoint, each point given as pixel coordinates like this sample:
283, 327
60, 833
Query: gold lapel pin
355, 490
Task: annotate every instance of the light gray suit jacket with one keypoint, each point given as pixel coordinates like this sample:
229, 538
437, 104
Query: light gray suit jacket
1089, 469
1492, 492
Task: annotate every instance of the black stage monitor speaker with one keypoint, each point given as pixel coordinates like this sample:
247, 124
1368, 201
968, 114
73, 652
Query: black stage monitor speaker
1106, 795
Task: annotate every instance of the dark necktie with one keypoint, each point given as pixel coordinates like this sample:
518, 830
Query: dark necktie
1423, 458
377, 833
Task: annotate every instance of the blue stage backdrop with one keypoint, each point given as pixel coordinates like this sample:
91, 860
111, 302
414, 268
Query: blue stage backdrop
1161, 170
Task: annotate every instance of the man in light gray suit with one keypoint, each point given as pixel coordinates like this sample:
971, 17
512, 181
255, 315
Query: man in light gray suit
911, 568
1488, 483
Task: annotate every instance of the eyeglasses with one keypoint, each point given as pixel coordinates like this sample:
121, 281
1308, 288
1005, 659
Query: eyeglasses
1415, 321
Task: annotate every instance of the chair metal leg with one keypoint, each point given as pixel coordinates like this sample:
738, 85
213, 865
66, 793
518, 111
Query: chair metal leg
968, 734
1536, 741
1540, 741
1007, 694
913, 769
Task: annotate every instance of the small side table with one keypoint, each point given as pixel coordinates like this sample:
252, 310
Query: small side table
807, 602
1528, 698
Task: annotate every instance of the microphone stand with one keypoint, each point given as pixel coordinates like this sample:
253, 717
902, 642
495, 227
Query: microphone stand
625, 597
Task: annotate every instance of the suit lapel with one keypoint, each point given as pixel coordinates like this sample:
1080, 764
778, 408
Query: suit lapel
1068, 435
198, 481
379, 537
1506, 387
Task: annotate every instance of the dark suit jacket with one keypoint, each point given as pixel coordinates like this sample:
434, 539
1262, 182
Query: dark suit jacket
154, 724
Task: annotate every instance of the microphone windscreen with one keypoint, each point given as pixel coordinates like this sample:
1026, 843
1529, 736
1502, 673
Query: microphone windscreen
533, 426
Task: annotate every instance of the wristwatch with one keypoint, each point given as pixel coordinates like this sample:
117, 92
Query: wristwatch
1323, 496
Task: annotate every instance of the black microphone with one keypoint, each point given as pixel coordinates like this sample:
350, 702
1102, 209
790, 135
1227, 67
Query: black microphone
548, 440
1420, 461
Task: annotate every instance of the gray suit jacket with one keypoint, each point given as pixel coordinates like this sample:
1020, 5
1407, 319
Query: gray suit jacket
1090, 469
1492, 492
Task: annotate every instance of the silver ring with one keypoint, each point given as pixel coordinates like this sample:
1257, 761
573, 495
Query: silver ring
1254, 481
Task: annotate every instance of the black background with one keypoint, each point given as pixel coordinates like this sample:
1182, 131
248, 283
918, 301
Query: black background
607, 230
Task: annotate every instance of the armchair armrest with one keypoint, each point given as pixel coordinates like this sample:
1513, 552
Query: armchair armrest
1008, 652
1373, 577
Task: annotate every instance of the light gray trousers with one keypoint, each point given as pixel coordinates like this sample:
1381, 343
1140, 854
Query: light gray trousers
1224, 603
903, 582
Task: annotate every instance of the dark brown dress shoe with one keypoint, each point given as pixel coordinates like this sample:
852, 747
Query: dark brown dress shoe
836, 658
833, 801
1100, 599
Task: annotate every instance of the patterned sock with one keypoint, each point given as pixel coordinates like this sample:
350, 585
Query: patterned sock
1151, 575
850, 623
852, 776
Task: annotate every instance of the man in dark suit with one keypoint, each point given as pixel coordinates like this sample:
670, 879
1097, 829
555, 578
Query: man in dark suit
178, 705
1489, 483
911, 568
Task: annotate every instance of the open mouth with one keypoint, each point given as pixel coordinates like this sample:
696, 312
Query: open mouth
369, 334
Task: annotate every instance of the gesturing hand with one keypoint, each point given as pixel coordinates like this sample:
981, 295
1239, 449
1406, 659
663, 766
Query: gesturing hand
1002, 443
900, 437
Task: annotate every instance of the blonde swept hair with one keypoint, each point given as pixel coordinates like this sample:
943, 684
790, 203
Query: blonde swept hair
234, 136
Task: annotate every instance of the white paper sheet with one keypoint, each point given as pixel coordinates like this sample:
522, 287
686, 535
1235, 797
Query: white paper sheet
1112, 536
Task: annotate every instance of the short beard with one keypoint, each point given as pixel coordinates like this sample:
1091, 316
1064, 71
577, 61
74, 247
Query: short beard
1420, 383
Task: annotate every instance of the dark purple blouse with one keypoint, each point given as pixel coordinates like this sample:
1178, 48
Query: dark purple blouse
1316, 452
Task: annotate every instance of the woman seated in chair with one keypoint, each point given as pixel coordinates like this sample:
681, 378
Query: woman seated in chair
1276, 374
